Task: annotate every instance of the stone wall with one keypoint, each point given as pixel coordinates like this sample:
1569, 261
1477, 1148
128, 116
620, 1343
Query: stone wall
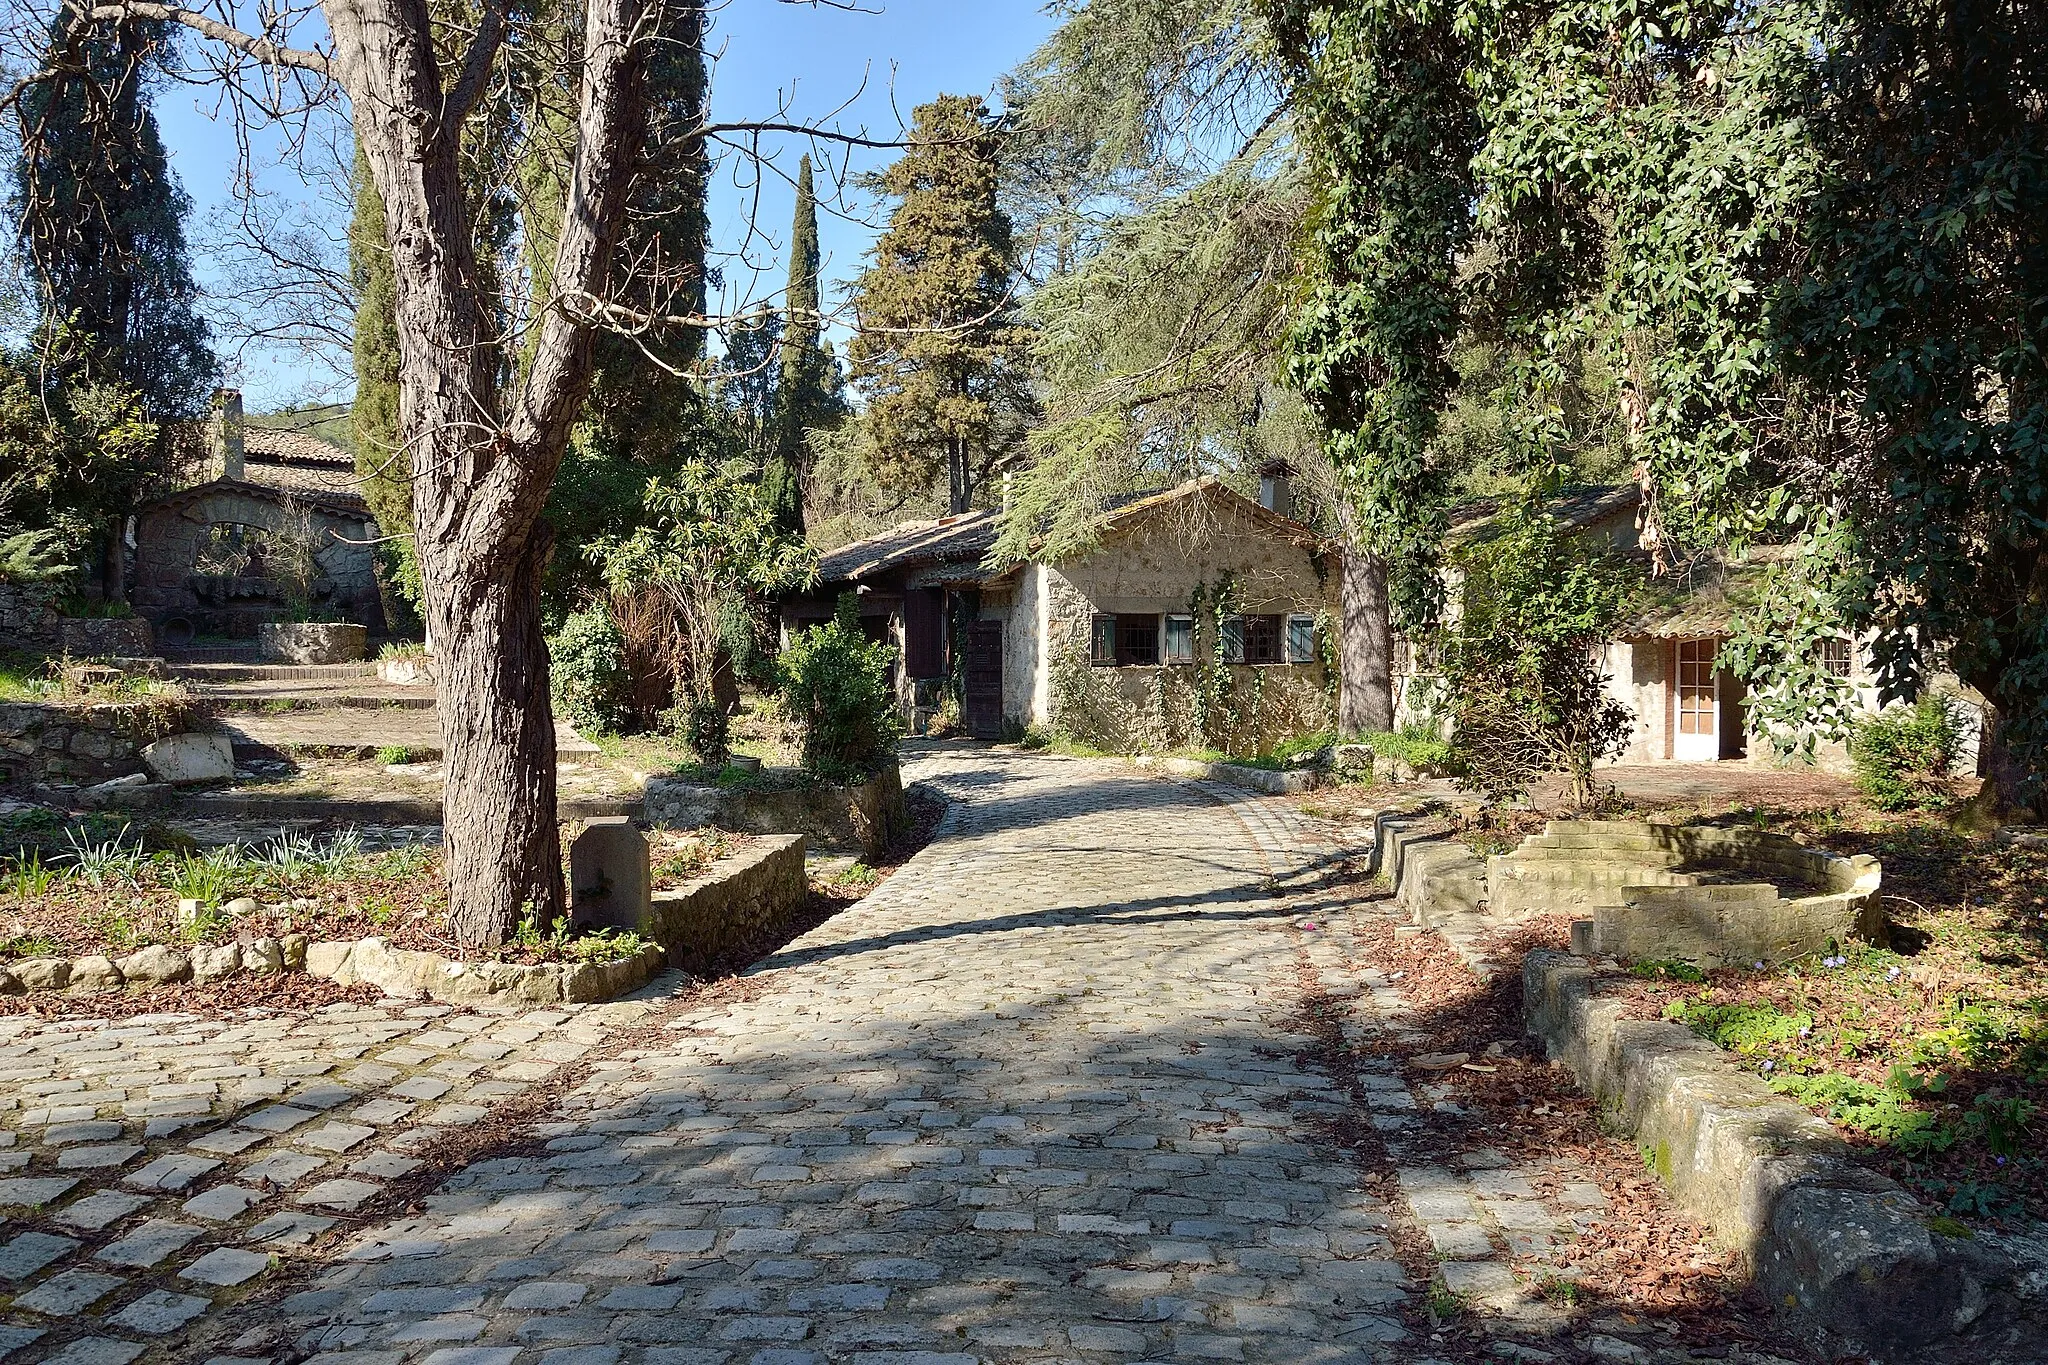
1831, 1242
170, 534
738, 902
45, 744
28, 612
862, 819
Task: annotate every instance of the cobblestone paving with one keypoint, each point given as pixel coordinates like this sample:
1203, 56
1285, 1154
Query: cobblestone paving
1042, 1097
1049, 1094
150, 1166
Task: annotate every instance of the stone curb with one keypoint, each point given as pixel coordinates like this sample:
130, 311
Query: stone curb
1290, 783
1840, 1247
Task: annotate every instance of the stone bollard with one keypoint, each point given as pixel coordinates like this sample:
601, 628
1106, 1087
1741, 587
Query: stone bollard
610, 885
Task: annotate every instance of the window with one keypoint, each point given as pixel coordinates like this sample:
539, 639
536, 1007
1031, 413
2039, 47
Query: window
1233, 639
1102, 643
1180, 639
1137, 641
1301, 639
1262, 639
1837, 657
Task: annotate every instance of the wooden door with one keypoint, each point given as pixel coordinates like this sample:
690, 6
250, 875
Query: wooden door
984, 678
1696, 738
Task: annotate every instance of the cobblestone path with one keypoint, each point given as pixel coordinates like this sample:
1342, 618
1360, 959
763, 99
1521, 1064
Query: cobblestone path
1049, 1094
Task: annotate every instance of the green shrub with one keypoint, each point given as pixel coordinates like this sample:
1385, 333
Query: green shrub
836, 685
1904, 754
588, 661
1415, 745
707, 730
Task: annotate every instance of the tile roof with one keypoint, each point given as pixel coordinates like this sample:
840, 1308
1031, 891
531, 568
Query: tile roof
968, 537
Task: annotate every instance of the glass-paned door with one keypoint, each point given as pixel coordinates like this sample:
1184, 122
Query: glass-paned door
1697, 737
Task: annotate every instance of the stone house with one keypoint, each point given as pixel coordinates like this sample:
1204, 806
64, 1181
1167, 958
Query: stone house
1665, 661
1129, 631
219, 546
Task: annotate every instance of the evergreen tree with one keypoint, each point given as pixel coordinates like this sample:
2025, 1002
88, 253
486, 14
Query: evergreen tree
807, 395
373, 417
939, 354
102, 219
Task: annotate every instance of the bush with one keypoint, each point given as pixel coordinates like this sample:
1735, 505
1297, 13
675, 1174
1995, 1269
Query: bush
708, 731
1904, 754
592, 687
1415, 745
836, 685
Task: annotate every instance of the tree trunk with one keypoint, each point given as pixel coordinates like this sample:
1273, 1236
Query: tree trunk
2011, 790
960, 490
1365, 647
503, 851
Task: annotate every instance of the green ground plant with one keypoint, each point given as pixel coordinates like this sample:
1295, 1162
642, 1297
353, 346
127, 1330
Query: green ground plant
1904, 755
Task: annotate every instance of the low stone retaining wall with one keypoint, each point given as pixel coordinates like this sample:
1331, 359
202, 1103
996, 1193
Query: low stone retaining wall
863, 819
409, 974
28, 612
1267, 780
399, 972
1673, 892
1842, 1248
738, 901
92, 637
50, 743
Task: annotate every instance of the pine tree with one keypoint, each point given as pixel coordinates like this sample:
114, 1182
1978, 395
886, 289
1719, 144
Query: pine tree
807, 396
102, 218
383, 469
939, 355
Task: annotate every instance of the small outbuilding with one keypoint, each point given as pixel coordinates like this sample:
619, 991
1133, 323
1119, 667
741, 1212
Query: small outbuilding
252, 524
1188, 594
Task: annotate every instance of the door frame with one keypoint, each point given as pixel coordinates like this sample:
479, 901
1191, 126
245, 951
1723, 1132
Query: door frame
1700, 745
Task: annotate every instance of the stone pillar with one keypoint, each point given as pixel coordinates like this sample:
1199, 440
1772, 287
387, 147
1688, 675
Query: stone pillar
225, 437
610, 885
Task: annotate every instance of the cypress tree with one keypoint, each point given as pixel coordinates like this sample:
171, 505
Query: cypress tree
939, 355
804, 396
386, 476
102, 218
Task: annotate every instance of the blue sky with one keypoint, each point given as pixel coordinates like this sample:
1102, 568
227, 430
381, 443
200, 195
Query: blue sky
887, 57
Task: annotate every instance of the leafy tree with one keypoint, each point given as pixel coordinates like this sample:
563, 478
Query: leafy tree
70, 459
102, 220
1921, 304
1388, 126
712, 540
1526, 697
807, 396
939, 355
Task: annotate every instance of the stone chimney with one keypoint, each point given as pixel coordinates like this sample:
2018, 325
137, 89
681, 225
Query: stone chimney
1276, 488
224, 437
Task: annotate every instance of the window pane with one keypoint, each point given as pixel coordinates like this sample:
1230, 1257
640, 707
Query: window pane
1102, 647
1262, 639
1301, 639
1137, 641
1233, 639
1835, 657
1180, 639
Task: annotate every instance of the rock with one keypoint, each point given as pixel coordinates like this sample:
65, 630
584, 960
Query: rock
609, 884
10, 984
294, 948
191, 757
329, 961
263, 955
95, 972
241, 905
1351, 758
43, 973
189, 911
156, 965
1440, 1061
312, 642
214, 961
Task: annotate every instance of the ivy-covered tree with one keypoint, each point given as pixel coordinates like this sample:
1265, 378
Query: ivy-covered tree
939, 354
1387, 125
1923, 302
102, 222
